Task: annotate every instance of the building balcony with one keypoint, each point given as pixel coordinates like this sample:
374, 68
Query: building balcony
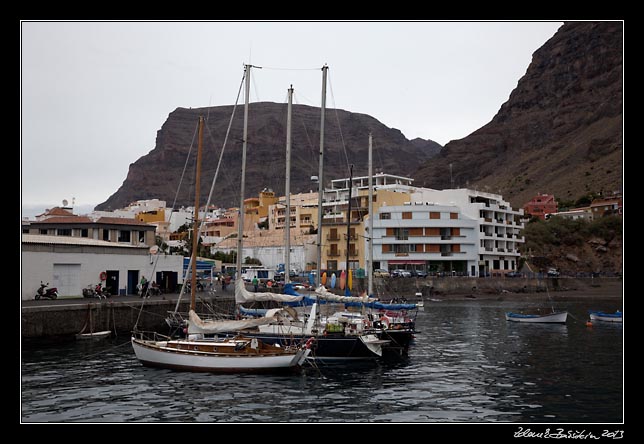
332, 253
331, 237
446, 253
352, 253
446, 237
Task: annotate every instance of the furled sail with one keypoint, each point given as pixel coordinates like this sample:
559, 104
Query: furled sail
197, 325
242, 295
323, 293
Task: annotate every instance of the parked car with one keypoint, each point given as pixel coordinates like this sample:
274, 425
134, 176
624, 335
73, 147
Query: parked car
380, 273
552, 272
419, 273
514, 274
400, 273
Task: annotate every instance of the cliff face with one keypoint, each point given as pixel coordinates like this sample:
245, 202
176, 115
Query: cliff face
157, 174
560, 132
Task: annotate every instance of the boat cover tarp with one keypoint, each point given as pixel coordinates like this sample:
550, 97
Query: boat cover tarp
252, 311
242, 295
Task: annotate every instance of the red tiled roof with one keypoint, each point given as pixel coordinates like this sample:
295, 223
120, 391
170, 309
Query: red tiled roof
64, 220
57, 211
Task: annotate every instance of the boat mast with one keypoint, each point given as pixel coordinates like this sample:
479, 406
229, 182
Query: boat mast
370, 238
195, 224
321, 175
240, 219
347, 291
287, 192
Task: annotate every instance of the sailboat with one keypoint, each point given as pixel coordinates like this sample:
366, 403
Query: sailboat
199, 352
337, 338
388, 322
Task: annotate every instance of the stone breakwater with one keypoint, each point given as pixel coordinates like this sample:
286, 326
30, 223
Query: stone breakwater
63, 319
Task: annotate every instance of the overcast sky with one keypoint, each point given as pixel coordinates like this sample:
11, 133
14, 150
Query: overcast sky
95, 94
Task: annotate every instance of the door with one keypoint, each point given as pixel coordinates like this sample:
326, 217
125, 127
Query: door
112, 281
66, 278
132, 281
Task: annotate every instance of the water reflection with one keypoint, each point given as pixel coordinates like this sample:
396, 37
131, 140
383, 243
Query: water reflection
467, 365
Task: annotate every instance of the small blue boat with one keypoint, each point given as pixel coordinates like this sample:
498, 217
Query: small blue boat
605, 317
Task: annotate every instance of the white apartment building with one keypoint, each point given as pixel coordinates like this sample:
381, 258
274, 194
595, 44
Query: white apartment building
497, 227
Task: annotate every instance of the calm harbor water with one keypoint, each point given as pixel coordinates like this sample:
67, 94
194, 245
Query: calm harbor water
467, 365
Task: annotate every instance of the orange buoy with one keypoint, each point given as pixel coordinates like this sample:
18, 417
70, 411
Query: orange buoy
589, 324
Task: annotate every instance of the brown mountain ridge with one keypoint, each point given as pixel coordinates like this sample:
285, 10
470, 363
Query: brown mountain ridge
560, 132
157, 174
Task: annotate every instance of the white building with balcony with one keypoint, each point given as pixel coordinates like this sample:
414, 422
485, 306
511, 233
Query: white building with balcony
497, 227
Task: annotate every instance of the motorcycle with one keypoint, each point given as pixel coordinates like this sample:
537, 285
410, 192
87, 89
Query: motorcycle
101, 292
50, 293
96, 292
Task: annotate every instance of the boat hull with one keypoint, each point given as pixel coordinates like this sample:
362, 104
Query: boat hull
328, 347
552, 318
94, 336
153, 353
606, 317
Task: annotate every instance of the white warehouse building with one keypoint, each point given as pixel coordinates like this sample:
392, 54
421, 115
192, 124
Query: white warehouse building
72, 263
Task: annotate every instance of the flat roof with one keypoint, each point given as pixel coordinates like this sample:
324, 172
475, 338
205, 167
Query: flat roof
69, 240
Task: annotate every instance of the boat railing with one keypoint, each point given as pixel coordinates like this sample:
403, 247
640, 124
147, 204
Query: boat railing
149, 336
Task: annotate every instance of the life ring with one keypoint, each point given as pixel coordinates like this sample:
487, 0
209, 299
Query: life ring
309, 343
103, 275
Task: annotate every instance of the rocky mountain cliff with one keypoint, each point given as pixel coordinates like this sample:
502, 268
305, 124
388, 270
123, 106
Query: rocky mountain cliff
157, 174
560, 132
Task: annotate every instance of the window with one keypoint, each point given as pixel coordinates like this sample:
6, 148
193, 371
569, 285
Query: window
64, 232
434, 215
106, 234
453, 215
401, 248
331, 265
406, 215
432, 248
84, 232
141, 237
386, 248
385, 216
124, 236
401, 233
42, 231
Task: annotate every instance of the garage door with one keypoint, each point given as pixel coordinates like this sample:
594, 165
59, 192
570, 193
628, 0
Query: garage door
67, 279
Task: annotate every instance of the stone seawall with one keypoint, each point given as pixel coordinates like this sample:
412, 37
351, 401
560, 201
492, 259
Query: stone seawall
65, 320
